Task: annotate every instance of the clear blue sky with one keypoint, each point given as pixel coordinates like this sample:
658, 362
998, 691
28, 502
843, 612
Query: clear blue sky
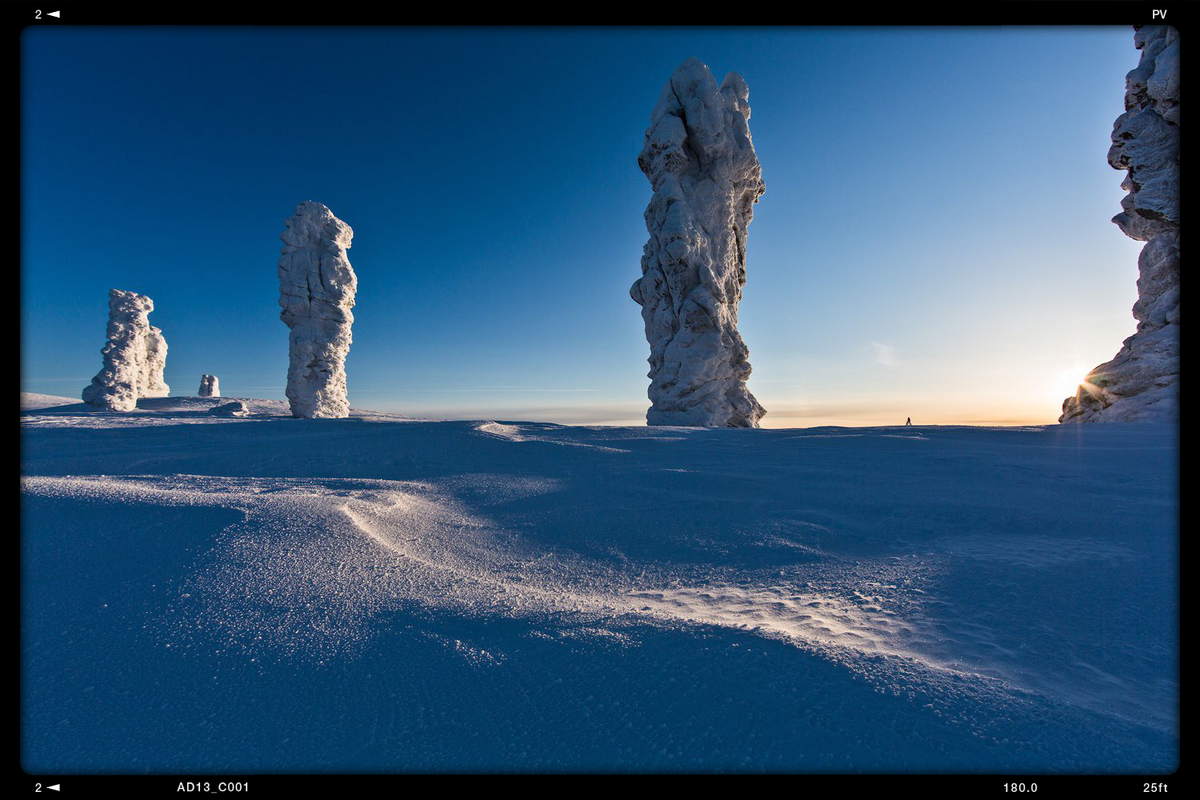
934, 240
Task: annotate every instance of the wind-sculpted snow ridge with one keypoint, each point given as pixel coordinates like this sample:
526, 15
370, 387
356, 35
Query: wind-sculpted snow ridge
1141, 384
522, 433
700, 161
209, 386
354, 548
134, 356
317, 562
316, 290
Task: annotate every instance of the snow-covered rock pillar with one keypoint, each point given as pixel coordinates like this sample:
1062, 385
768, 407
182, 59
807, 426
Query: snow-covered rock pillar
706, 178
209, 386
1141, 384
316, 291
134, 356
152, 383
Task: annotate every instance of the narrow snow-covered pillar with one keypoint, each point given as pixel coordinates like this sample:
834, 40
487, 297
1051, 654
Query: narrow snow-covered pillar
134, 355
1141, 384
152, 383
316, 290
700, 161
209, 386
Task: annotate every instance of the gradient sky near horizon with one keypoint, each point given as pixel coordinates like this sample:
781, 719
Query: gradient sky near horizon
934, 240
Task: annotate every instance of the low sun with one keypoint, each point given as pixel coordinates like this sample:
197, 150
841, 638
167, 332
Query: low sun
1068, 381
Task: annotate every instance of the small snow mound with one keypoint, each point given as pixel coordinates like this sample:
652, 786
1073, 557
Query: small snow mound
510, 432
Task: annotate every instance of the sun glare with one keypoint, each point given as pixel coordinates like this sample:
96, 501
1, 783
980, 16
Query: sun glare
1068, 382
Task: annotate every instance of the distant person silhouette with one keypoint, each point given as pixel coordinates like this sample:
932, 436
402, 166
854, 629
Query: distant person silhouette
908, 424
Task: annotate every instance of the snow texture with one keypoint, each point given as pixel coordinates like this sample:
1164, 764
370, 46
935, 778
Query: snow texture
134, 356
706, 178
209, 386
1141, 384
316, 290
513, 597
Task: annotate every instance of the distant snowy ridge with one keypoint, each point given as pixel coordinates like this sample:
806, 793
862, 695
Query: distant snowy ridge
49, 411
32, 400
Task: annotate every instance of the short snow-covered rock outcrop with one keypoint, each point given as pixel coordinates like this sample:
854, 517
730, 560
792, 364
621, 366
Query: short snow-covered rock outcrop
134, 356
706, 178
234, 408
316, 290
1141, 384
209, 386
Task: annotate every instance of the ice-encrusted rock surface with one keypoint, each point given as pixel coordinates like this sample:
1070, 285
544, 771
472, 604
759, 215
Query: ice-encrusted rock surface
209, 386
134, 356
316, 290
1141, 384
706, 178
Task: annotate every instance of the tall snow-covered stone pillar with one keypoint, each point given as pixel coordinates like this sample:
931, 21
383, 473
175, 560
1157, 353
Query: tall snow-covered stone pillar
209, 386
134, 356
1141, 384
316, 290
706, 178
